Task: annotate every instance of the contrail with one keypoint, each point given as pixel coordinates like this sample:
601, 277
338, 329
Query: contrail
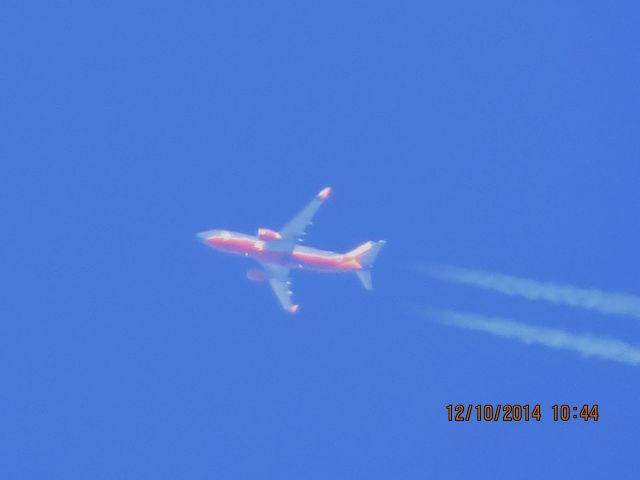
585, 344
591, 299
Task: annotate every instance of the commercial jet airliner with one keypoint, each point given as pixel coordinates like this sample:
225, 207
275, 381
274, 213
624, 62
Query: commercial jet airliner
278, 252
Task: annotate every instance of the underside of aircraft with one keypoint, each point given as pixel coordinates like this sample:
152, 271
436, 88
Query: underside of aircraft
278, 252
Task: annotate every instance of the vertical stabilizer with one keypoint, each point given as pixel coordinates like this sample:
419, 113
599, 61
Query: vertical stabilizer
366, 255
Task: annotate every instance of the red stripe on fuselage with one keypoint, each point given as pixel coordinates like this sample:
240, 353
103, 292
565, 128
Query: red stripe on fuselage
320, 259
300, 257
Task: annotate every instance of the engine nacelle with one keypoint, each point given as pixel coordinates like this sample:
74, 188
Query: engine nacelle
266, 234
256, 275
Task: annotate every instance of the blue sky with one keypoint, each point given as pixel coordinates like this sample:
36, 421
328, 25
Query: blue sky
493, 135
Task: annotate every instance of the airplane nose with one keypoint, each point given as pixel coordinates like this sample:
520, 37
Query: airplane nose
213, 237
207, 234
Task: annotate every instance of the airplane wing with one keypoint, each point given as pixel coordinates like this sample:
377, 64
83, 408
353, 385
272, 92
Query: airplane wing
280, 284
279, 276
295, 229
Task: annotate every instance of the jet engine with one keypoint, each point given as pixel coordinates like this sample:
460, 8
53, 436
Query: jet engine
266, 234
256, 275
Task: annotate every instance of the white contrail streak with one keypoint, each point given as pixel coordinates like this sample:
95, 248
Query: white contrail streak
585, 344
591, 299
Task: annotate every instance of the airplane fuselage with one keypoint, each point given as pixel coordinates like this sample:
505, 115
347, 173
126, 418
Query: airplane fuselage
278, 253
300, 257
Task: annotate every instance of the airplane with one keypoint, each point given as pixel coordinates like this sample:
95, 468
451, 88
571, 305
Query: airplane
278, 253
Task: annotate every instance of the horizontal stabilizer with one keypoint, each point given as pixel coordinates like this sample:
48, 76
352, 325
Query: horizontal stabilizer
365, 277
366, 253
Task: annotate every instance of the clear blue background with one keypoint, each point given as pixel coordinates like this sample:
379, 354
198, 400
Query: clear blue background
498, 135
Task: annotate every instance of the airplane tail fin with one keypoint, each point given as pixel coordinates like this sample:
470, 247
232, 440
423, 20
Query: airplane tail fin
365, 255
365, 278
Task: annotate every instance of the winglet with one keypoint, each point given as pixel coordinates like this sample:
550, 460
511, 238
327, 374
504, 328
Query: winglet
324, 193
294, 308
